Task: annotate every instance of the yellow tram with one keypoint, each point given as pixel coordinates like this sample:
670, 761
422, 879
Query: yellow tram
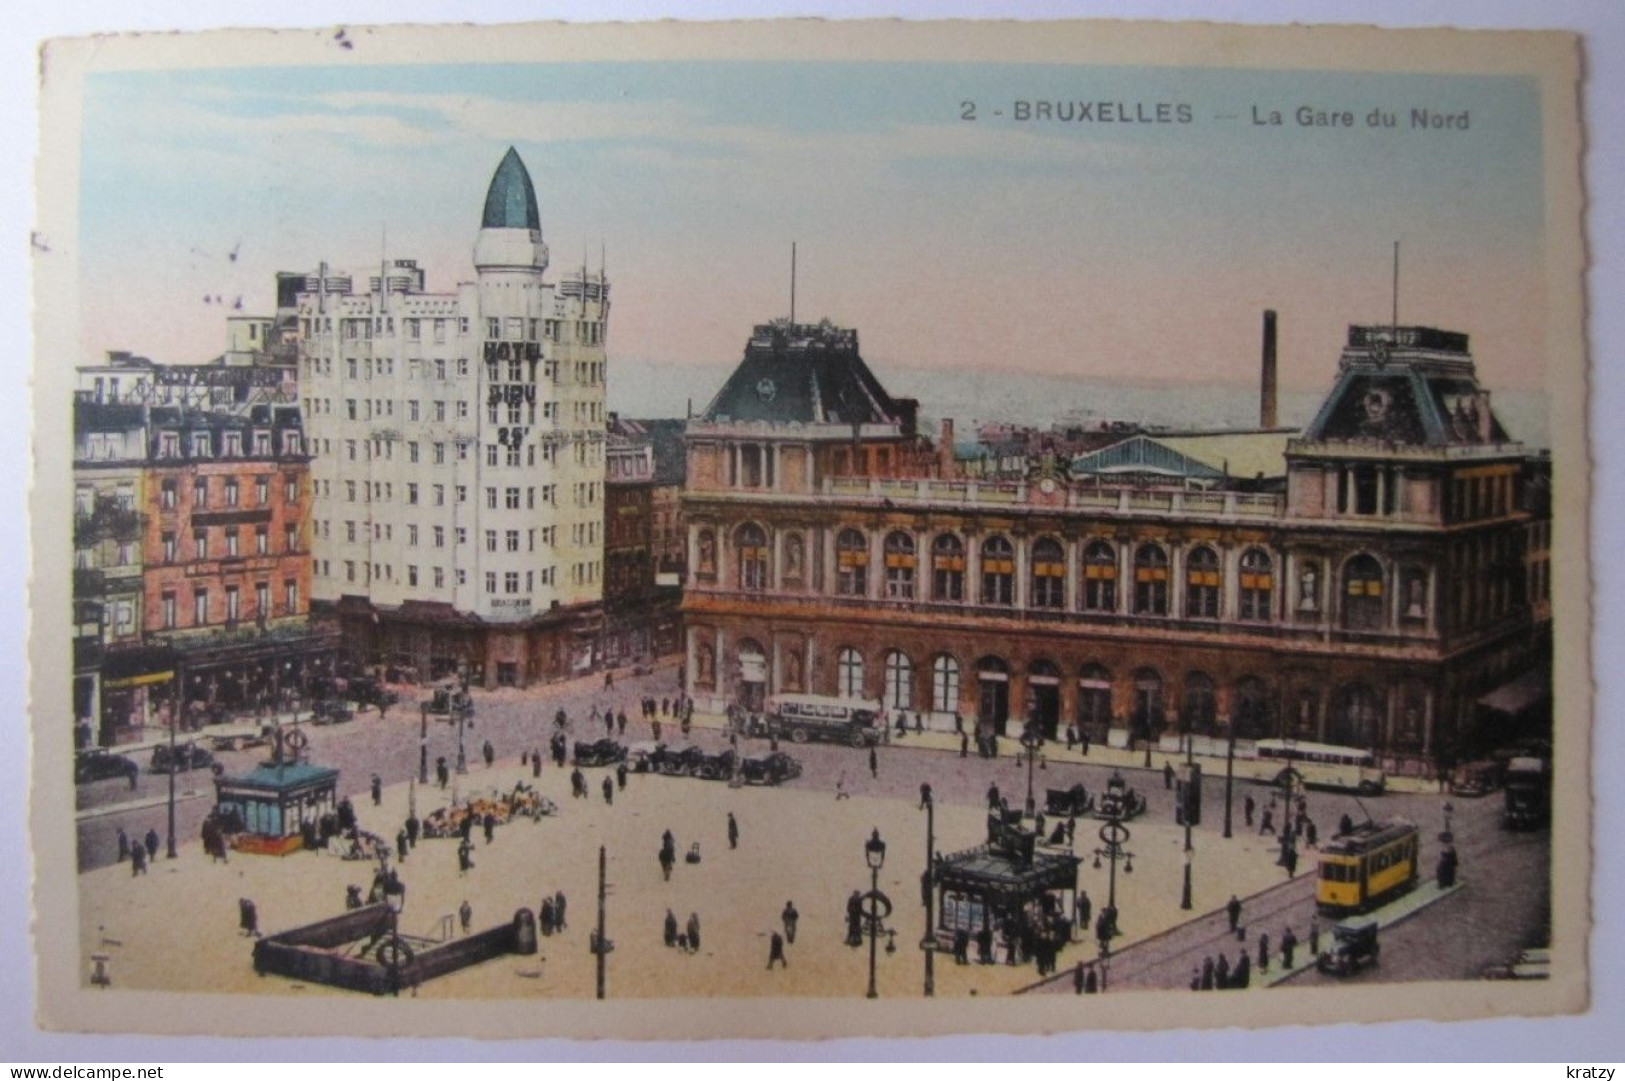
1367, 868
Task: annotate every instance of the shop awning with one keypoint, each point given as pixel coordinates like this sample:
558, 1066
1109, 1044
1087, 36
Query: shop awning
1519, 695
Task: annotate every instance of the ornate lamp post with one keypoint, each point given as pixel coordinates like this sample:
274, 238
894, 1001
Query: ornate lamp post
1031, 741
1229, 772
1449, 810
928, 888
394, 949
874, 853
1190, 853
1113, 837
423, 744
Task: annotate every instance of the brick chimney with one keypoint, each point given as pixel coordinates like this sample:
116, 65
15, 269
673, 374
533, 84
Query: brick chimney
945, 449
1266, 390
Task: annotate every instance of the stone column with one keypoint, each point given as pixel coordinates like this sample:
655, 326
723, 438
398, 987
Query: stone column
1125, 577
1176, 579
973, 569
691, 647
877, 564
775, 569
1074, 575
1023, 582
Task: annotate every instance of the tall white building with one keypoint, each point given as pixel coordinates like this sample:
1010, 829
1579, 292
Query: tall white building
459, 455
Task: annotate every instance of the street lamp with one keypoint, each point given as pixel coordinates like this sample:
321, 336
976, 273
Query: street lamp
423, 744
874, 853
1031, 740
1190, 853
395, 901
1229, 772
1113, 836
928, 888
1447, 837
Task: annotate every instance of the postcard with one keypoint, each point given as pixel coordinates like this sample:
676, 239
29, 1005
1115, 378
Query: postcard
1044, 526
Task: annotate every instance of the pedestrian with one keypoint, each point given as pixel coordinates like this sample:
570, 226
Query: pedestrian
412, 828
1289, 947
919, 722
465, 915
1314, 936
790, 917
1233, 910
670, 933
1345, 826
1266, 824
984, 946
546, 918
1091, 984
654, 727
694, 932
1290, 857
1208, 971
854, 919
961, 947
1264, 952
490, 754
1071, 829
1085, 908
1248, 806
620, 776
733, 831
609, 791
535, 763
1242, 974
138, 861
578, 784
609, 681
1167, 775
874, 763
1311, 836
992, 797
1221, 973
441, 773
377, 790
1077, 979
620, 722
402, 845
964, 741
558, 909
123, 845
465, 828
465, 857
775, 951
152, 845
1071, 737
248, 917
352, 897
490, 824
925, 795
840, 788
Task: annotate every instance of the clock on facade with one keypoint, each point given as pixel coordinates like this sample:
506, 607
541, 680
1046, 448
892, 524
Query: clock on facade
765, 390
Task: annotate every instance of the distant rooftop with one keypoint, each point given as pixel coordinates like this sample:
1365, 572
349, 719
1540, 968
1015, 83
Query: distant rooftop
510, 202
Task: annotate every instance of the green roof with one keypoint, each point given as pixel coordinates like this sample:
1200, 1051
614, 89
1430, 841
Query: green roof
282, 778
510, 202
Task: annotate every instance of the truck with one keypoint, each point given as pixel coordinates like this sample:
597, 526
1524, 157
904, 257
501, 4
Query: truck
1527, 784
805, 717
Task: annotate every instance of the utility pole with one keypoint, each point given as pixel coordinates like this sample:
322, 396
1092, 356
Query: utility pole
929, 942
175, 717
1229, 774
601, 947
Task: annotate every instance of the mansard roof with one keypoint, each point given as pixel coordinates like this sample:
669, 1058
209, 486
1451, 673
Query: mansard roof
1407, 386
805, 374
510, 202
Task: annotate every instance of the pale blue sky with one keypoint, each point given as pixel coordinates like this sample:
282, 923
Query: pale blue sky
1141, 251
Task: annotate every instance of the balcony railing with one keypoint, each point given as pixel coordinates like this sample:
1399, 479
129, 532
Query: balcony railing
970, 493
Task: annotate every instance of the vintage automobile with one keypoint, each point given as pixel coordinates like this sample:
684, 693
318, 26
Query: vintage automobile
448, 703
331, 711
99, 765
1119, 801
1476, 779
770, 769
1353, 946
1068, 801
186, 756
713, 767
670, 759
367, 691
601, 752
241, 738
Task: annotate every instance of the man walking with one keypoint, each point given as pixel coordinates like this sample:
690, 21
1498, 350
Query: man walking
152, 845
1289, 947
964, 744
377, 790
790, 917
733, 831
1248, 806
1168, 775
490, 753
620, 776
925, 795
775, 951
123, 845
1233, 910
694, 932
1264, 952
874, 763
609, 791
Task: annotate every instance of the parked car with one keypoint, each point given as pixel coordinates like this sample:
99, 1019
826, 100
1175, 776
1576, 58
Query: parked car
186, 756
774, 768
1068, 801
100, 765
242, 739
1476, 779
602, 752
448, 703
331, 711
1353, 946
714, 767
673, 759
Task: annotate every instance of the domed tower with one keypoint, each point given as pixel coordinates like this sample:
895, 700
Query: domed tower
511, 227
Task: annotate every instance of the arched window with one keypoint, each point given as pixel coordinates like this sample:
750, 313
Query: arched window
851, 564
1411, 724
900, 566
1362, 594
1150, 581
1356, 717
1202, 584
751, 545
945, 684
998, 572
849, 673
899, 681
993, 693
1095, 701
1049, 574
1100, 577
1200, 709
1257, 585
948, 568
1149, 716
1250, 714
705, 556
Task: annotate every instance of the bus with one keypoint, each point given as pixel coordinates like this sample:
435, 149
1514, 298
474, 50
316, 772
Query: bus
804, 717
1318, 765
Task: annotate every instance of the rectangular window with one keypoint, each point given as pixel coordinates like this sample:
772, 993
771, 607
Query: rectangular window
439, 536
290, 538
169, 610
510, 582
200, 607
262, 540
512, 495
262, 491
439, 577
490, 581
412, 535
411, 575
200, 544
411, 493
200, 492
513, 540
490, 540
262, 600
